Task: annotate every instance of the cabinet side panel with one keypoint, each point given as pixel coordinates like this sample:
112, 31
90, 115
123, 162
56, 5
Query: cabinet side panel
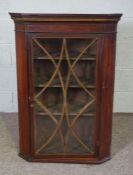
107, 95
22, 77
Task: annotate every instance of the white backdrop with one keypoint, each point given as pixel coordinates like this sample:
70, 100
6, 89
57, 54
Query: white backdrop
123, 99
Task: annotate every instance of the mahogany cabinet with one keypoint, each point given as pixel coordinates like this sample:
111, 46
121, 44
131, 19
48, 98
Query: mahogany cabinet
65, 73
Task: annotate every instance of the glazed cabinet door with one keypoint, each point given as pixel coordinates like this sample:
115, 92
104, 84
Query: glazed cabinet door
64, 95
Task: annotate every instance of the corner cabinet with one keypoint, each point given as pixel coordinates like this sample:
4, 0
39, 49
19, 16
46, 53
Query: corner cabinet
65, 73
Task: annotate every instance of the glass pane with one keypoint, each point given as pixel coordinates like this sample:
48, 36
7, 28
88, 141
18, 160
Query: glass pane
64, 95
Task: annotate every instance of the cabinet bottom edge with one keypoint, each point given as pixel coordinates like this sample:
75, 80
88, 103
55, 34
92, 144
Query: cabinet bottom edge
65, 160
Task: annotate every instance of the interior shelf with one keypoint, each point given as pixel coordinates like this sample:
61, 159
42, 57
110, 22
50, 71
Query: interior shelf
59, 86
59, 114
91, 58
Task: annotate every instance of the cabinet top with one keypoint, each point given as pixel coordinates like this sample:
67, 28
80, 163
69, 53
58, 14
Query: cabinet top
36, 17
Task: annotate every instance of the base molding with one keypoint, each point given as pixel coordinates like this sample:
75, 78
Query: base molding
65, 160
